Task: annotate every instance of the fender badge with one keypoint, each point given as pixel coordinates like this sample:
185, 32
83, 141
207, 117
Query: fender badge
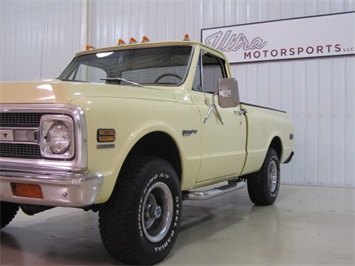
189, 132
105, 146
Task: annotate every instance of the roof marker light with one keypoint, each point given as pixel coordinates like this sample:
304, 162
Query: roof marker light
145, 39
89, 47
132, 40
186, 37
120, 42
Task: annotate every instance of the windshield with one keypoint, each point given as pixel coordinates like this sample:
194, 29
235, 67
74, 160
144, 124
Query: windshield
160, 65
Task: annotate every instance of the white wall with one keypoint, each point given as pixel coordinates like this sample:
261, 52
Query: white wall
38, 38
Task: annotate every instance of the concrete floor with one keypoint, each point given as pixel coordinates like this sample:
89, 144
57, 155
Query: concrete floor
306, 225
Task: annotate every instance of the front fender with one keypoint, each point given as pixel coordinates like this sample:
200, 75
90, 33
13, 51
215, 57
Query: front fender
133, 119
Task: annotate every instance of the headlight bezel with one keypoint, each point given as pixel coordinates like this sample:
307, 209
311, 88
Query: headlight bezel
47, 122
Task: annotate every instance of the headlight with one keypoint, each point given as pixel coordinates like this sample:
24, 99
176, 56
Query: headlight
57, 136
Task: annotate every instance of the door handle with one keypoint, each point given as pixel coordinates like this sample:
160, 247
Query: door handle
240, 112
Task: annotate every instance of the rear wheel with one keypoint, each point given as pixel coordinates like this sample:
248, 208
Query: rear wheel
7, 213
139, 224
264, 185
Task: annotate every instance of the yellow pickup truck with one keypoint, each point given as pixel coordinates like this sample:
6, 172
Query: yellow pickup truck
131, 131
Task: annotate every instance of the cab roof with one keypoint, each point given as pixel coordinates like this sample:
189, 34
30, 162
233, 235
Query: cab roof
144, 45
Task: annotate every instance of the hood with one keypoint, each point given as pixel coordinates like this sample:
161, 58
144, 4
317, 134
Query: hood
64, 92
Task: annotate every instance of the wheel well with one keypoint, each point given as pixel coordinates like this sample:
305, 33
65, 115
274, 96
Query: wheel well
161, 145
277, 145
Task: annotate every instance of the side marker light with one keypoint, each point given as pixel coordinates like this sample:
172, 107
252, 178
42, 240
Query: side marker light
106, 135
27, 190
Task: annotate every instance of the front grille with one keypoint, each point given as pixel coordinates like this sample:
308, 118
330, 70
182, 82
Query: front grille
20, 119
17, 150
13, 150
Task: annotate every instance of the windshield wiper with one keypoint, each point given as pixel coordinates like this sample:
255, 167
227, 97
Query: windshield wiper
122, 79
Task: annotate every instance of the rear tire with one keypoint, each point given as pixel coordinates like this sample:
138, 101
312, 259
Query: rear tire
264, 185
140, 222
7, 213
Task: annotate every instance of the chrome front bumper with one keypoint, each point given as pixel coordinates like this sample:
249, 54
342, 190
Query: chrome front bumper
59, 189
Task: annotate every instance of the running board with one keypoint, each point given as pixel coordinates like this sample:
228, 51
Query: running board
215, 192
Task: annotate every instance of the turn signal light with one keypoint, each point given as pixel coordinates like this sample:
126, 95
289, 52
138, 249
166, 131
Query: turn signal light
27, 190
106, 135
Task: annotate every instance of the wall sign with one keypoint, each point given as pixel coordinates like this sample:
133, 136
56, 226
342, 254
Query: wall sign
328, 35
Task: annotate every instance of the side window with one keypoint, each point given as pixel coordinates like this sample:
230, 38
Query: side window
212, 70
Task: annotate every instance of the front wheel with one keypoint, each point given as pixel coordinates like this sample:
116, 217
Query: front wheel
264, 185
7, 213
139, 224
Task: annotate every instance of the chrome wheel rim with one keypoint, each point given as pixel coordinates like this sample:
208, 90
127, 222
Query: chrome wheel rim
157, 212
273, 176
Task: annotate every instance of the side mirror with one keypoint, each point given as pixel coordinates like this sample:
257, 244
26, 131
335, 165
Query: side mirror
228, 93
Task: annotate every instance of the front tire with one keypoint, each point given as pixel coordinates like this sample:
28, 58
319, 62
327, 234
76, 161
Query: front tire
140, 222
7, 213
264, 185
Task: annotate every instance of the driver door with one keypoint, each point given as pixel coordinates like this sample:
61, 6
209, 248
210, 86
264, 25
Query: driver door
224, 130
